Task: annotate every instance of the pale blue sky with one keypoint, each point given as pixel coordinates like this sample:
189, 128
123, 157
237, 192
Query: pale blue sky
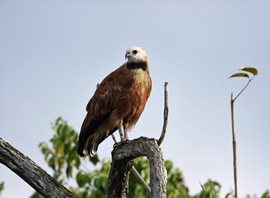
53, 53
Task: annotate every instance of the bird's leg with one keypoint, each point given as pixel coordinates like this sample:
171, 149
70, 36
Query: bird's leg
125, 135
121, 130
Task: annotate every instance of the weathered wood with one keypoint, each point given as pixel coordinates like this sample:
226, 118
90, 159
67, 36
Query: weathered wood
30, 172
122, 156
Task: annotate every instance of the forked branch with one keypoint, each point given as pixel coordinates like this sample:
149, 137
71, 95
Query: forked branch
122, 156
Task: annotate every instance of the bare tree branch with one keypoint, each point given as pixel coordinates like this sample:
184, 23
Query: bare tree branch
165, 115
122, 157
31, 173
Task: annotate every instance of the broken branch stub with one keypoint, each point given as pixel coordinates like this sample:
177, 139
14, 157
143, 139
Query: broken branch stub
122, 156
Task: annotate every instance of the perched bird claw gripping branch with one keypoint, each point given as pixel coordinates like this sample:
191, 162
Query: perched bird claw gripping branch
117, 103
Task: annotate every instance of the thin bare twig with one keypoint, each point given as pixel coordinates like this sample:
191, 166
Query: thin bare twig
233, 99
234, 147
165, 115
249, 80
141, 180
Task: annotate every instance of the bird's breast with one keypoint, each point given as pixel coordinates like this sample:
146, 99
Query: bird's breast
142, 81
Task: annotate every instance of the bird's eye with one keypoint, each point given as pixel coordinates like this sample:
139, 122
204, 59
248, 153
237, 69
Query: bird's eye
135, 51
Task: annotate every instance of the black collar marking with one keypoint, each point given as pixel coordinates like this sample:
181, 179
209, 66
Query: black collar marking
138, 65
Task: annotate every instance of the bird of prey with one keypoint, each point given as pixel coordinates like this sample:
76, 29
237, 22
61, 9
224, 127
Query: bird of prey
117, 103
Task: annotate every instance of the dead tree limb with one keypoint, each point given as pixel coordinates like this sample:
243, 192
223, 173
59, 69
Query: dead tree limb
31, 173
135, 173
122, 156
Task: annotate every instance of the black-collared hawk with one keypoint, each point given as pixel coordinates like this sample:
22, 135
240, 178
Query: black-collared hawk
117, 103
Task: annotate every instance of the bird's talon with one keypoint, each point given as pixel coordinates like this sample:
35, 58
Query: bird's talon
123, 139
116, 144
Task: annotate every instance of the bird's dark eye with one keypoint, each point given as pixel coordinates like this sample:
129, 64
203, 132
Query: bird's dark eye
135, 51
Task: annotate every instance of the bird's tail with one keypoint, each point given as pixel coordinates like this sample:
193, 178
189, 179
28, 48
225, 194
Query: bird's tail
89, 138
87, 146
90, 148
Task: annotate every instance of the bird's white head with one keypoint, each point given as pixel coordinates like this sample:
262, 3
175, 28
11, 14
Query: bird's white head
136, 54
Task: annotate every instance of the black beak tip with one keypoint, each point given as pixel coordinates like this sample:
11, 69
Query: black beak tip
127, 55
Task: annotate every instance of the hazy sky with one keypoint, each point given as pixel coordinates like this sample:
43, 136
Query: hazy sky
53, 53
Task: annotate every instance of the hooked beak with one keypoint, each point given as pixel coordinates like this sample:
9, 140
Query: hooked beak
127, 55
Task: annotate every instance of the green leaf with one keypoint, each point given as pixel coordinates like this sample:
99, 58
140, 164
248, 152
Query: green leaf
228, 195
94, 159
240, 74
266, 194
252, 70
80, 179
69, 171
36, 195
168, 165
2, 185
51, 163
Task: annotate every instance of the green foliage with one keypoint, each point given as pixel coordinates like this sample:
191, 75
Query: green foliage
266, 194
2, 186
61, 155
239, 74
248, 70
175, 182
251, 70
93, 184
68, 168
210, 189
36, 195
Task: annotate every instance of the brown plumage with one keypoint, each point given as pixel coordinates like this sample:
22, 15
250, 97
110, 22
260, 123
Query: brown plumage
117, 102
